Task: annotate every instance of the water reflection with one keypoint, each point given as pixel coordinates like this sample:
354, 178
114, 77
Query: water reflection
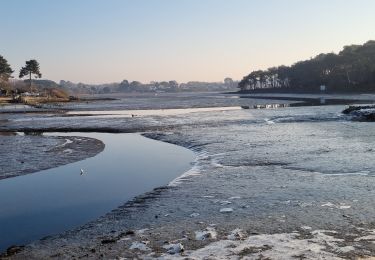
149, 112
51, 201
306, 101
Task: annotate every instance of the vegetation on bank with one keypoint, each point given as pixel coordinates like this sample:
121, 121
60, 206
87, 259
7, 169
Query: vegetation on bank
351, 70
31, 68
28, 91
5, 70
126, 86
47, 88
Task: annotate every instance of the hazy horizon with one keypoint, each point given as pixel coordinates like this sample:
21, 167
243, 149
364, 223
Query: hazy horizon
189, 40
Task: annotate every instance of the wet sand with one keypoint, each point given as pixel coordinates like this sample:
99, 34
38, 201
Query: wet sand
24, 154
286, 183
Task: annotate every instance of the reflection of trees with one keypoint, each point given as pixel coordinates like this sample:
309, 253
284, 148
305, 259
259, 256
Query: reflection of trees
34, 133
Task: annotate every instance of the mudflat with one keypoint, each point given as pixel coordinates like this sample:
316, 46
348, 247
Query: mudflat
294, 182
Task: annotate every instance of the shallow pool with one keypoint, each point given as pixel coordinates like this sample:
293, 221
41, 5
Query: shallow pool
52, 201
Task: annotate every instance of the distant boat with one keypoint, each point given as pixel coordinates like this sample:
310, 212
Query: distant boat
82, 171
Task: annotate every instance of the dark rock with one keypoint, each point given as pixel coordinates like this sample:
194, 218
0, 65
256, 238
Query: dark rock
129, 233
351, 109
108, 241
361, 113
12, 250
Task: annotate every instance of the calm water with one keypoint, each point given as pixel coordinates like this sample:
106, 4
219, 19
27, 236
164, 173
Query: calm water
150, 112
52, 201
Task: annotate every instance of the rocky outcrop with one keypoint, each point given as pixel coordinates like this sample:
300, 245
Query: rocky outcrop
361, 113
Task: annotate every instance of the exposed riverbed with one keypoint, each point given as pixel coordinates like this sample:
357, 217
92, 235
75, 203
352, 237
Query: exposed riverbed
27, 153
288, 182
55, 200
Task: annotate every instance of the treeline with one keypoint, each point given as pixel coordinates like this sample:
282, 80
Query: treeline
351, 70
154, 86
123, 87
12, 87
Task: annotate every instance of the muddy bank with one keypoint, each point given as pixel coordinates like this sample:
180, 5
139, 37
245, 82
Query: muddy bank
33, 152
300, 192
361, 113
293, 182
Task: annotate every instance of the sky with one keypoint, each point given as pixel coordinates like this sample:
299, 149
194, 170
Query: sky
102, 41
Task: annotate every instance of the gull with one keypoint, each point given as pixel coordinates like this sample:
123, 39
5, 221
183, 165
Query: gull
82, 171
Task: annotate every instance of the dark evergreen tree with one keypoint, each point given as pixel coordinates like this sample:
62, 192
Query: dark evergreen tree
31, 67
5, 70
351, 70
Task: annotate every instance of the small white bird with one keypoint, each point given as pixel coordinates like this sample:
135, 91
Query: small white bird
82, 171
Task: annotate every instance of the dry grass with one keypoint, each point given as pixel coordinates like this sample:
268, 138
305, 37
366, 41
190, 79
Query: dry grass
43, 100
5, 100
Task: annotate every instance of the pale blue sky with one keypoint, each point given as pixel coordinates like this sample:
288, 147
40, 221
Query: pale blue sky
98, 41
